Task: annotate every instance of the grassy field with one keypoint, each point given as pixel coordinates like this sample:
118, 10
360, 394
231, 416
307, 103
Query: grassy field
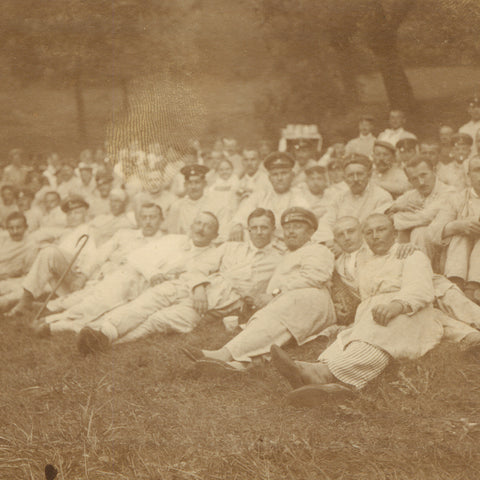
144, 412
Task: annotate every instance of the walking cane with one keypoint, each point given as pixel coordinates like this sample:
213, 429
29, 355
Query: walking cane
83, 239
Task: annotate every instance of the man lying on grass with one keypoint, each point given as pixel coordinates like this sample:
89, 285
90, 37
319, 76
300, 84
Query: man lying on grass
297, 304
217, 285
395, 320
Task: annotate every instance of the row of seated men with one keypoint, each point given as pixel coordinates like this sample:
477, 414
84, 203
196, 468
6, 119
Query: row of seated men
279, 272
431, 215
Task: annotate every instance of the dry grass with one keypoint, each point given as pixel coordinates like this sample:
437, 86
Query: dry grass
143, 412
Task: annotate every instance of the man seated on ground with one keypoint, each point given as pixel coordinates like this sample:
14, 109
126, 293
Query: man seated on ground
394, 321
406, 150
363, 196
389, 284
303, 152
17, 253
67, 182
445, 135
415, 210
457, 228
313, 191
161, 260
183, 211
471, 128
387, 173
336, 179
430, 149
363, 144
105, 225
297, 303
8, 204
255, 178
32, 214
86, 185
54, 219
396, 132
154, 191
463, 313
53, 260
16, 171
278, 198
111, 256
234, 272
455, 172
101, 195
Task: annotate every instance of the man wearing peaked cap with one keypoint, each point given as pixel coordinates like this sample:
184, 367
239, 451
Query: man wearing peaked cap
278, 160
355, 158
278, 198
462, 139
297, 304
406, 149
455, 173
471, 128
299, 214
52, 261
183, 212
194, 170
73, 202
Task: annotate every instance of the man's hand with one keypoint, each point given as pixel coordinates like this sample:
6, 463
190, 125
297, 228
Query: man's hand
334, 248
200, 299
236, 234
78, 282
408, 206
158, 278
468, 227
404, 250
382, 314
261, 299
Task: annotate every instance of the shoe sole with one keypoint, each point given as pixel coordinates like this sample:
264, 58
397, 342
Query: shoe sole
286, 367
317, 395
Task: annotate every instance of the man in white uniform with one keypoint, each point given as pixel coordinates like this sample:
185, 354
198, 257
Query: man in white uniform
363, 196
218, 285
297, 305
280, 197
54, 259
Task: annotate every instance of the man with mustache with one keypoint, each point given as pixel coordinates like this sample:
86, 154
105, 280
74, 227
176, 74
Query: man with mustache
363, 196
219, 285
279, 197
162, 259
388, 174
415, 210
395, 320
297, 304
457, 228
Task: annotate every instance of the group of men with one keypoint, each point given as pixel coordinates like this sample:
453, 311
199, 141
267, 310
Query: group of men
375, 243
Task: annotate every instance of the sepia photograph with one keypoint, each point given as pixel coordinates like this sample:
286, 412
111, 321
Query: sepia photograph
240, 239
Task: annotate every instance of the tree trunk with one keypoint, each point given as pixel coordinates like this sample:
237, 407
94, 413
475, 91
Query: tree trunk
382, 40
